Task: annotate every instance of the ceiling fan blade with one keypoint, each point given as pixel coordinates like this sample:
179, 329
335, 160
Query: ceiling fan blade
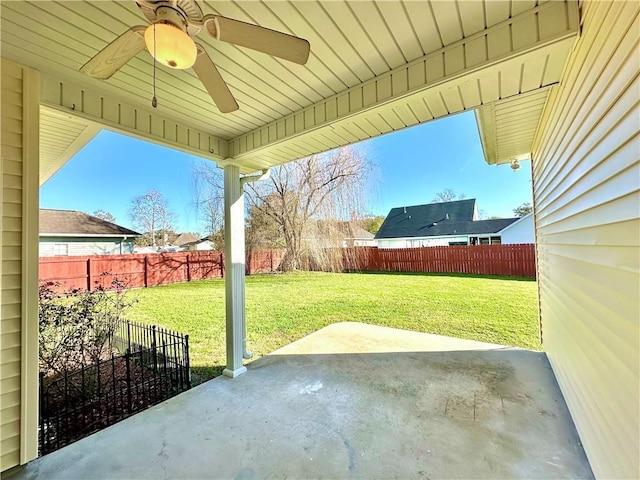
265, 40
113, 57
213, 82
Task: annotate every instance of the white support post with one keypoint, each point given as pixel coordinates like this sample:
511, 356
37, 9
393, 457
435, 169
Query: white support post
234, 269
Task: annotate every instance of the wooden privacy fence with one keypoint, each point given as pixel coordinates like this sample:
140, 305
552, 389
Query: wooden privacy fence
264, 261
146, 270
163, 268
509, 260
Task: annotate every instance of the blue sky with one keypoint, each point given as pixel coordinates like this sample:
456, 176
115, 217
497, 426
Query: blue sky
412, 165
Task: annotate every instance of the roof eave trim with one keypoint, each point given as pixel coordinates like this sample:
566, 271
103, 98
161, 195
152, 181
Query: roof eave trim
516, 222
485, 121
91, 235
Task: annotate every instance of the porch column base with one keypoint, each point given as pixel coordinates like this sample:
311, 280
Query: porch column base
234, 373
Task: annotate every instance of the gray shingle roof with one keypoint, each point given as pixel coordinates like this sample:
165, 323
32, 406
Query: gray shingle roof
186, 239
437, 219
360, 233
71, 222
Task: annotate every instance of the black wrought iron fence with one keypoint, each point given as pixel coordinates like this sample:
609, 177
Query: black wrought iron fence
153, 367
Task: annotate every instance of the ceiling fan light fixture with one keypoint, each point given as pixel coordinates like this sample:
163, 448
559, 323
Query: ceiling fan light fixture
173, 47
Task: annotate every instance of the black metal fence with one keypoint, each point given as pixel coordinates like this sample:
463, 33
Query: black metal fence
154, 367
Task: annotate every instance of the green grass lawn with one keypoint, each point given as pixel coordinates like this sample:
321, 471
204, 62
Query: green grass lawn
284, 308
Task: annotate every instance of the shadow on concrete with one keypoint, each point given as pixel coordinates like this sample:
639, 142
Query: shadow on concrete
346, 409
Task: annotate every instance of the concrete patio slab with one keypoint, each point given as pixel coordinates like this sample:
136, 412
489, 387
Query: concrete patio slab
349, 401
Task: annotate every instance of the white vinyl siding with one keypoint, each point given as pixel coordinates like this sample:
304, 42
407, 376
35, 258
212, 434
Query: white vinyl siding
521, 231
418, 242
89, 246
18, 292
586, 195
60, 249
11, 264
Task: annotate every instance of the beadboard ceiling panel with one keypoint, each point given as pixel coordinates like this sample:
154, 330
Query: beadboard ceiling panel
61, 137
508, 127
353, 45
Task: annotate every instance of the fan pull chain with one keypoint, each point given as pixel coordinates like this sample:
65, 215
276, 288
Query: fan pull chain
154, 100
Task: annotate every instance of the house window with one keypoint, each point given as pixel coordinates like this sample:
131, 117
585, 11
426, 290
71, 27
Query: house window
496, 240
60, 249
484, 241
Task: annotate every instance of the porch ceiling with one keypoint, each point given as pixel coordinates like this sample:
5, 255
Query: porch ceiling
507, 127
374, 67
61, 137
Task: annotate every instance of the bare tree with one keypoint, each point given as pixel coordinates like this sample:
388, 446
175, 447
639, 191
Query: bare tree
208, 188
262, 231
151, 213
104, 215
302, 197
448, 195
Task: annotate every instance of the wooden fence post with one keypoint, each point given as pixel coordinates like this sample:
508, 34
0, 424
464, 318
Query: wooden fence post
188, 269
89, 282
146, 273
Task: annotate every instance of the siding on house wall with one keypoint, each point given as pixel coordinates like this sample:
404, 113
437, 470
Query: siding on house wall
53, 246
18, 194
521, 231
586, 194
417, 242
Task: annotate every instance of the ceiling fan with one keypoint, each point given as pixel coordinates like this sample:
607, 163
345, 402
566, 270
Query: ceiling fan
169, 39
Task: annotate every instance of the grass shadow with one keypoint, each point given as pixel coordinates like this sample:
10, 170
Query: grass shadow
205, 373
445, 274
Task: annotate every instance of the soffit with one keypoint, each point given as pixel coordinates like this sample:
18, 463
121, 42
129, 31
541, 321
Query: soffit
59, 37
61, 137
507, 127
481, 88
352, 44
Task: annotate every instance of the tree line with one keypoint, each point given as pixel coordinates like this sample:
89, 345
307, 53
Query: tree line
308, 207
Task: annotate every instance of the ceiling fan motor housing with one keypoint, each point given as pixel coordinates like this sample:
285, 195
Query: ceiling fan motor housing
172, 16
185, 14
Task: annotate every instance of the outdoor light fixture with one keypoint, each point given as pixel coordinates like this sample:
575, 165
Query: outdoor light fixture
168, 43
515, 165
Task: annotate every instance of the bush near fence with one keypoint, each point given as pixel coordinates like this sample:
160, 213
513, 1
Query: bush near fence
153, 367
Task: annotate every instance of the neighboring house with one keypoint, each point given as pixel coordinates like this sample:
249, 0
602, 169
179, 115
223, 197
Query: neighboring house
520, 231
145, 250
190, 242
199, 244
449, 223
185, 239
332, 234
69, 232
359, 237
